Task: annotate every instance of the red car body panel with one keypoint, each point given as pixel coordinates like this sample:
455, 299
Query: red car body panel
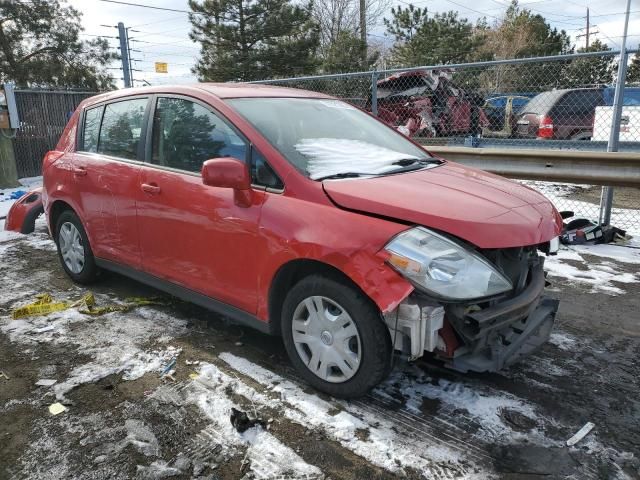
196, 236
205, 239
483, 209
22, 214
105, 193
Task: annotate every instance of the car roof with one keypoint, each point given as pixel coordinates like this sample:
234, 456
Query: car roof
220, 90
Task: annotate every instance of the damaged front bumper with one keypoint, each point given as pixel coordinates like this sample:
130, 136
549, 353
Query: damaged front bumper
479, 337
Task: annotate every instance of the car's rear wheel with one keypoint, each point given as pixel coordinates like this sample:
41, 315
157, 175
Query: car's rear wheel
74, 249
335, 337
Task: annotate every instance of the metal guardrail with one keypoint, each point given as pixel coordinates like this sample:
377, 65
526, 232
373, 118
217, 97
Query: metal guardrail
620, 169
518, 143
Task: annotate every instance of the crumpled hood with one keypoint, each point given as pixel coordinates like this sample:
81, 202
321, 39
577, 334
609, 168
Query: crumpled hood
484, 209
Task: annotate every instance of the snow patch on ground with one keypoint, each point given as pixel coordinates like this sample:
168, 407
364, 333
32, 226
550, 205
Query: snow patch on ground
480, 403
600, 275
384, 446
563, 341
619, 253
625, 218
114, 341
268, 457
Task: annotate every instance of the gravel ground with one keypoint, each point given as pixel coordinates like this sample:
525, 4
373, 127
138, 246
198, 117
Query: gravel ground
125, 420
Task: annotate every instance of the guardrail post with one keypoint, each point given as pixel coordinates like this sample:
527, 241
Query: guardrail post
374, 93
606, 200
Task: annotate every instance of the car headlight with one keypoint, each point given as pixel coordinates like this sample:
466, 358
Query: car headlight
443, 267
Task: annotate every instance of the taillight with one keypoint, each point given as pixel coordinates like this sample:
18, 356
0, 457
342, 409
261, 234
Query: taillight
545, 127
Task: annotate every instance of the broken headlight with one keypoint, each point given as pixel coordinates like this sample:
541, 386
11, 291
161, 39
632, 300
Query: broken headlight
444, 268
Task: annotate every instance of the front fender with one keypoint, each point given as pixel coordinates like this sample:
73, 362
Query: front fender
294, 229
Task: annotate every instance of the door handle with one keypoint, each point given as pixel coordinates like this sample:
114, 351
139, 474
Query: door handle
79, 171
150, 188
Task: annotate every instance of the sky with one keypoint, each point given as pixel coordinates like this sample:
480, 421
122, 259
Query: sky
163, 36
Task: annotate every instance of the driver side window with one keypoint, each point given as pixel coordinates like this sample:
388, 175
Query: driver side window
185, 134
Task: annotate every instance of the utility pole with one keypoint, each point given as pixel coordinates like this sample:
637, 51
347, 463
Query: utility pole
363, 31
124, 54
606, 200
588, 32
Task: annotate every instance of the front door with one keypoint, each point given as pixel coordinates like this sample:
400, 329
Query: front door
192, 234
105, 170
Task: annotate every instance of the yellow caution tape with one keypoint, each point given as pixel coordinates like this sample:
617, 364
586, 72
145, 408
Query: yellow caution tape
45, 305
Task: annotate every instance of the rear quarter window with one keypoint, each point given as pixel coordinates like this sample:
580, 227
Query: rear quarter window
91, 129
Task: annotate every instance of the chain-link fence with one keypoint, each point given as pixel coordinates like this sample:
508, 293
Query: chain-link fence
561, 102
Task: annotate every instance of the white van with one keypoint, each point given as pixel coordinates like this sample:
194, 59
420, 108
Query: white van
629, 121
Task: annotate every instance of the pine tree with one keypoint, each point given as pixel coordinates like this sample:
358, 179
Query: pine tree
423, 39
633, 70
343, 54
590, 71
243, 40
40, 47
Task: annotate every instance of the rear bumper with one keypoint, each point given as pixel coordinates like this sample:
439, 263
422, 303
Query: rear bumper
23, 213
497, 336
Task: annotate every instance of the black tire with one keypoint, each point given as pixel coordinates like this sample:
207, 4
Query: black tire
586, 136
375, 340
90, 270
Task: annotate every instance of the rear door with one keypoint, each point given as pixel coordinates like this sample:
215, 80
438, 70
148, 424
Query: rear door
192, 234
573, 115
106, 169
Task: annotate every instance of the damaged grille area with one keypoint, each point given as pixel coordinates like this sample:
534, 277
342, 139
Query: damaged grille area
481, 336
496, 333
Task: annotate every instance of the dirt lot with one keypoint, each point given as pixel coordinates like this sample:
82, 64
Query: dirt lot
625, 197
124, 420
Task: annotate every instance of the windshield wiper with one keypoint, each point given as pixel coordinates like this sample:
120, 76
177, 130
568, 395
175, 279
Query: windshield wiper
410, 164
343, 175
405, 165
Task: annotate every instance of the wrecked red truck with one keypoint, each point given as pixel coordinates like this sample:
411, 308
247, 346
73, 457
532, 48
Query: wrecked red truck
427, 103
304, 217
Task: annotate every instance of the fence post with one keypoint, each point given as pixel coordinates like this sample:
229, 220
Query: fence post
606, 199
8, 171
374, 93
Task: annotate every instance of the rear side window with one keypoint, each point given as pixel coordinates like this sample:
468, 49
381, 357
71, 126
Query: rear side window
498, 102
542, 102
121, 128
91, 130
580, 102
185, 134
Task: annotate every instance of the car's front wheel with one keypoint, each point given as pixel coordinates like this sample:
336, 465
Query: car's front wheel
335, 337
74, 250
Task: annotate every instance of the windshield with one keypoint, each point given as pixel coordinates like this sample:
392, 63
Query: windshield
323, 138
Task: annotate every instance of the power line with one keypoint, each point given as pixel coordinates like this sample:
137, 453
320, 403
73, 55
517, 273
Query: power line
131, 4
159, 21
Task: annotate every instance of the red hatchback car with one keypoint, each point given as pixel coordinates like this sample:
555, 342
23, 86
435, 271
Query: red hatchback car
304, 217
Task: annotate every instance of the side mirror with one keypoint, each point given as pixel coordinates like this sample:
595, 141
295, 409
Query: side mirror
226, 172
